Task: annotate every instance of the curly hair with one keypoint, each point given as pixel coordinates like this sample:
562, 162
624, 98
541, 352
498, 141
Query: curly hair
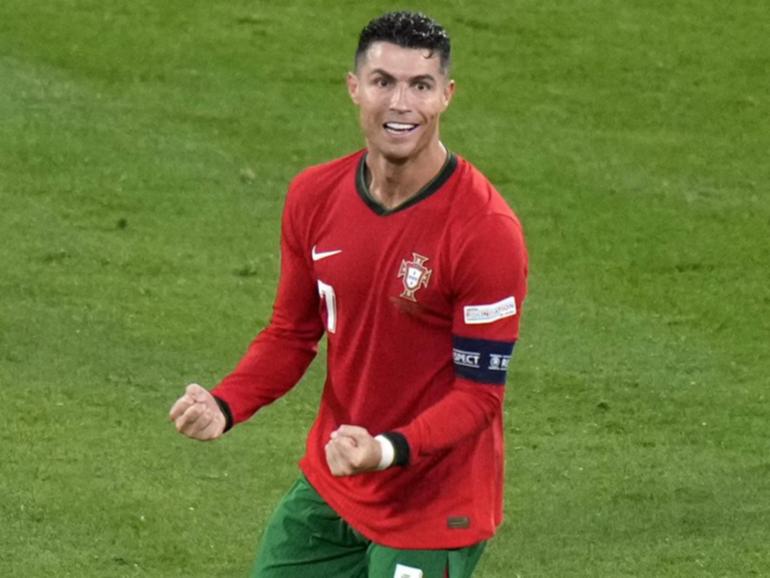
408, 30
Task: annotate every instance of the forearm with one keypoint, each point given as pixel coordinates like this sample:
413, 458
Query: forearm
279, 356
461, 414
273, 364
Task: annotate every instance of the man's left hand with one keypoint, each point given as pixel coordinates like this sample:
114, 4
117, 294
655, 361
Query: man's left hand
352, 450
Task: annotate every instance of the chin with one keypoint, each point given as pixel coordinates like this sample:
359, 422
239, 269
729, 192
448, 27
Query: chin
396, 157
399, 154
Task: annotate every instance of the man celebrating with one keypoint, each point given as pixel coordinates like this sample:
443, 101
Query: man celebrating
415, 268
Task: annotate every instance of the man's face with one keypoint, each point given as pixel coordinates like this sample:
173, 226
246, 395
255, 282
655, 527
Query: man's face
401, 93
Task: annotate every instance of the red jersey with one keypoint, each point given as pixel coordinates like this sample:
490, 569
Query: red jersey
421, 307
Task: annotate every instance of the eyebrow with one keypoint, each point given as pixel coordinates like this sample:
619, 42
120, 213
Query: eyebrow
418, 78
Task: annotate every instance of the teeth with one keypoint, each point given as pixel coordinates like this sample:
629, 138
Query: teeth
399, 126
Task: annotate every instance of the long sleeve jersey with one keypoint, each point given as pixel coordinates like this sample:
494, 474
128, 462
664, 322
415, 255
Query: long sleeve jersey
421, 307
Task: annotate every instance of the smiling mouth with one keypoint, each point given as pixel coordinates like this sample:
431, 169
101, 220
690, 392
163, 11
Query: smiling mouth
400, 127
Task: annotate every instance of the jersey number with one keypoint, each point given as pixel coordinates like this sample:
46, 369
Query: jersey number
327, 294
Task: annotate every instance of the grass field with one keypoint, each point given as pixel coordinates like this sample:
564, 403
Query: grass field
145, 148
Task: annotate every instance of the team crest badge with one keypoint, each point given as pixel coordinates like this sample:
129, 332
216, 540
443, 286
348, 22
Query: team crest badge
414, 275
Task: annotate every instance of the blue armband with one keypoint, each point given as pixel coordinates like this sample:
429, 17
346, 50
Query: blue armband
482, 360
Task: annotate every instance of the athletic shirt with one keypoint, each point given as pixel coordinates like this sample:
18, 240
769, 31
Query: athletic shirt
421, 307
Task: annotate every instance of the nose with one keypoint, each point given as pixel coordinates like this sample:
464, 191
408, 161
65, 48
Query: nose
399, 98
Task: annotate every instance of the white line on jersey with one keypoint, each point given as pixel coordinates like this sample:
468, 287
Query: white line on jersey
324, 254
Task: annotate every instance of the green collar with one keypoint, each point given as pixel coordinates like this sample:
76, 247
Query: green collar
363, 189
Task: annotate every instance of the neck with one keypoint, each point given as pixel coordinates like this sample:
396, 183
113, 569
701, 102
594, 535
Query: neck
392, 183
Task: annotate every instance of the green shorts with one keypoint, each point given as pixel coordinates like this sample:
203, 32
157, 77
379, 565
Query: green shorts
305, 538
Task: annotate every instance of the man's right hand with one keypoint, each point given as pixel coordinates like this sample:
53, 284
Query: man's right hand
197, 415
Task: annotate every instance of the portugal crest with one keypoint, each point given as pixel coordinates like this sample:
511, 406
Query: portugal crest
414, 275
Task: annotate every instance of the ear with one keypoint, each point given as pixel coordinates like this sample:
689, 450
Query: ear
449, 92
353, 85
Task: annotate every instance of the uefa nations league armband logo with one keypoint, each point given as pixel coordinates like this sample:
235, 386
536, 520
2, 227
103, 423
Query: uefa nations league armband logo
414, 275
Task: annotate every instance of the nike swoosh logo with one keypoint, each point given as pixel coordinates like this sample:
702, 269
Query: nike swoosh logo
318, 256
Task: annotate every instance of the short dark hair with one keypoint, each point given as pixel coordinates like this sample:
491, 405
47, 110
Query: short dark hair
408, 30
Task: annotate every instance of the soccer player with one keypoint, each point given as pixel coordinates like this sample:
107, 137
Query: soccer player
413, 265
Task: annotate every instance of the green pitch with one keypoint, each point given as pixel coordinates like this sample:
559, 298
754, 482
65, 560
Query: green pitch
144, 151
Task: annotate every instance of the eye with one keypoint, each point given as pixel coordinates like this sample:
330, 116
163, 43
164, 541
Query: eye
382, 82
422, 86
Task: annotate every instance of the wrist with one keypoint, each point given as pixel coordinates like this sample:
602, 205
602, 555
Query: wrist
400, 446
226, 413
387, 452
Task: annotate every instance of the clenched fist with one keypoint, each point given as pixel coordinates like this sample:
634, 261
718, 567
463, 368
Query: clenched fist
197, 415
352, 450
